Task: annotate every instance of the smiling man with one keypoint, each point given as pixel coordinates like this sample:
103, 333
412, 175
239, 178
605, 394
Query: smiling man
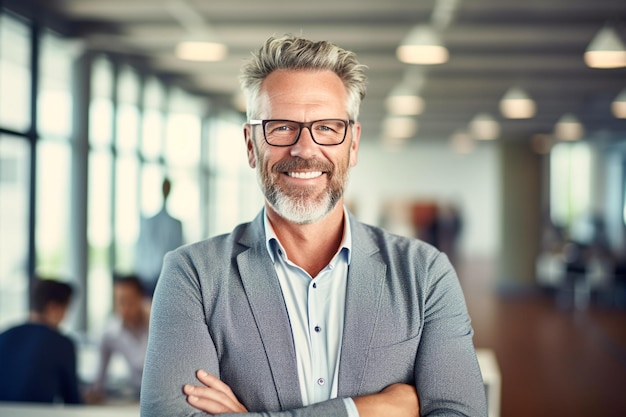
305, 311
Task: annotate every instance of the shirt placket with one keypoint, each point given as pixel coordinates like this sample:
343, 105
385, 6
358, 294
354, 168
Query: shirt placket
318, 337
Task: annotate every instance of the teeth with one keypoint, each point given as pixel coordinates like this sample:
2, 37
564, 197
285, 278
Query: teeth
305, 175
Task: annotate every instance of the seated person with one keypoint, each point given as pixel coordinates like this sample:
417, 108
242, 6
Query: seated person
37, 362
126, 334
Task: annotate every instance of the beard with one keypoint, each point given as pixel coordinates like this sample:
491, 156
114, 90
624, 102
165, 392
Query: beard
302, 204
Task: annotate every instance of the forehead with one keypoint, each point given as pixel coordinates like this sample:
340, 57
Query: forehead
303, 90
125, 289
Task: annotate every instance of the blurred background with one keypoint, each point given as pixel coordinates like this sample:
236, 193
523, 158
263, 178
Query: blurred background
494, 129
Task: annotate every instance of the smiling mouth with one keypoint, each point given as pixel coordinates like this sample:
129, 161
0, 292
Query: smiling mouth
304, 175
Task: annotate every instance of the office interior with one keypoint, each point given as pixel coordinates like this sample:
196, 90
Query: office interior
96, 109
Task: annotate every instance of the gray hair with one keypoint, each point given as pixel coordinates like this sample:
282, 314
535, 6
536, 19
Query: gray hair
295, 53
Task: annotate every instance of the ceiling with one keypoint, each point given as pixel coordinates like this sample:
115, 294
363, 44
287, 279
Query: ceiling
493, 45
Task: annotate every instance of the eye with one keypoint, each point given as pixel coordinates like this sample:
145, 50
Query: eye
330, 126
280, 127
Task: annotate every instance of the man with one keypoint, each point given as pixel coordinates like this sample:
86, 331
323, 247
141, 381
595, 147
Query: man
126, 334
158, 235
37, 362
305, 311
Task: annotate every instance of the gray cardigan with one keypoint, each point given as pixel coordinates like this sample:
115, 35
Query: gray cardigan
218, 307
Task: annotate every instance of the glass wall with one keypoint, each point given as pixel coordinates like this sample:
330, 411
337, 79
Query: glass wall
15, 167
234, 183
54, 151
15, 73
99, 287
133, 131
14, 210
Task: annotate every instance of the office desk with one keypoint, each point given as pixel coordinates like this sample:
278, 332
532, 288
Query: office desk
491, 378
51, 410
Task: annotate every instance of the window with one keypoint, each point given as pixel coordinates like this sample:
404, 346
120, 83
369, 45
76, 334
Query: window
99, 235
570, 183
54, 159
100, 193
54, 99
126, 207
14, 209
15, 73
153, 122
235, 196
101, 106
53, 209
182, 158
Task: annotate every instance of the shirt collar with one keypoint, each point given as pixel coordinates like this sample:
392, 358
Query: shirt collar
272, 243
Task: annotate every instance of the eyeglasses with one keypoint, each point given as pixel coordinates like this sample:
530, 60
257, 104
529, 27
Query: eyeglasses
327, 132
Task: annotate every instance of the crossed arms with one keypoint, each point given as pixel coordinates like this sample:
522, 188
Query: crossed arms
215, 397
244, 342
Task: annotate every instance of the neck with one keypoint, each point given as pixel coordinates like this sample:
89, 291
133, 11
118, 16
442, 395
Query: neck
41, 318
310, 246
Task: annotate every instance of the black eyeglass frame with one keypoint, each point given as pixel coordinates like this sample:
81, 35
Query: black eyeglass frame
301, 125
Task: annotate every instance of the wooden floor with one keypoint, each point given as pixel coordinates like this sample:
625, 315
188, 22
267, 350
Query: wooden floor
554, 361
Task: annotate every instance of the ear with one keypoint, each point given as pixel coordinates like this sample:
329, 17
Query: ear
354, 144
250, 147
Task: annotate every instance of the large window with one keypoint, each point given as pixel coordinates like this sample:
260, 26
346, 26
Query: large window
100, 192
15, 73
235, 193
14, 209
182, 157
91, 186
126, 208
54, 161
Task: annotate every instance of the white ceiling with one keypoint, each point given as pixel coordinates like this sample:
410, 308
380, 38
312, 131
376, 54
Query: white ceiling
493, 44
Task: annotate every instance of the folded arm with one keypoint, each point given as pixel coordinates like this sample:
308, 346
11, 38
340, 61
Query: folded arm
216, 397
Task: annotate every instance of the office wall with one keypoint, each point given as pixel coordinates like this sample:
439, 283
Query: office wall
430, 170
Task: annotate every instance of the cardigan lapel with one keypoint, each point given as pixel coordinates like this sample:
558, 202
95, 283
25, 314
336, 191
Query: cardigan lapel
268, 307
365, 282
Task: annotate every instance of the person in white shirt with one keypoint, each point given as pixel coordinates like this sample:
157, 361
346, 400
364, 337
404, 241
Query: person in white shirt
127, 335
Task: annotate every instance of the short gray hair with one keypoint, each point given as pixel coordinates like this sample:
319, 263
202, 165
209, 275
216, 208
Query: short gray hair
295, 53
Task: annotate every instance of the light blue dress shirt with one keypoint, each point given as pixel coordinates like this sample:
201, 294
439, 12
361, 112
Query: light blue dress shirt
316, 310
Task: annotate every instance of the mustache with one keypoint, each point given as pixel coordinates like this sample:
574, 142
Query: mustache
297, 163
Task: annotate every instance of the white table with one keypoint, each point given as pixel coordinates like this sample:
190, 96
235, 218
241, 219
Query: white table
491, 378
51, 410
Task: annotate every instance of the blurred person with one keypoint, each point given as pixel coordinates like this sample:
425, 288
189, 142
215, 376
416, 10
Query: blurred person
126, 334
306, 311
37, 362
158, 235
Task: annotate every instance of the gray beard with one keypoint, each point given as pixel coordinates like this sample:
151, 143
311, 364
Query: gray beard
297, 205
300, 209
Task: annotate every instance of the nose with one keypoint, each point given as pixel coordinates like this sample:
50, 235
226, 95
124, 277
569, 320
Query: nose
305, 147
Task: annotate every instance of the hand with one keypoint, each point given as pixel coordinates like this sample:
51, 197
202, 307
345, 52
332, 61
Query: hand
215, 397
93, 396
398, 400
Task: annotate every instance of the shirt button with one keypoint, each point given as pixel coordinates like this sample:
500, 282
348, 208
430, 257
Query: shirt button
318, 329
321, 381
314, 285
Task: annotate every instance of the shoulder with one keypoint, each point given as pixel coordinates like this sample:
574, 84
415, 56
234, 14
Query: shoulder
217, 246
387, 242
212, 256
406, 258
58, 340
